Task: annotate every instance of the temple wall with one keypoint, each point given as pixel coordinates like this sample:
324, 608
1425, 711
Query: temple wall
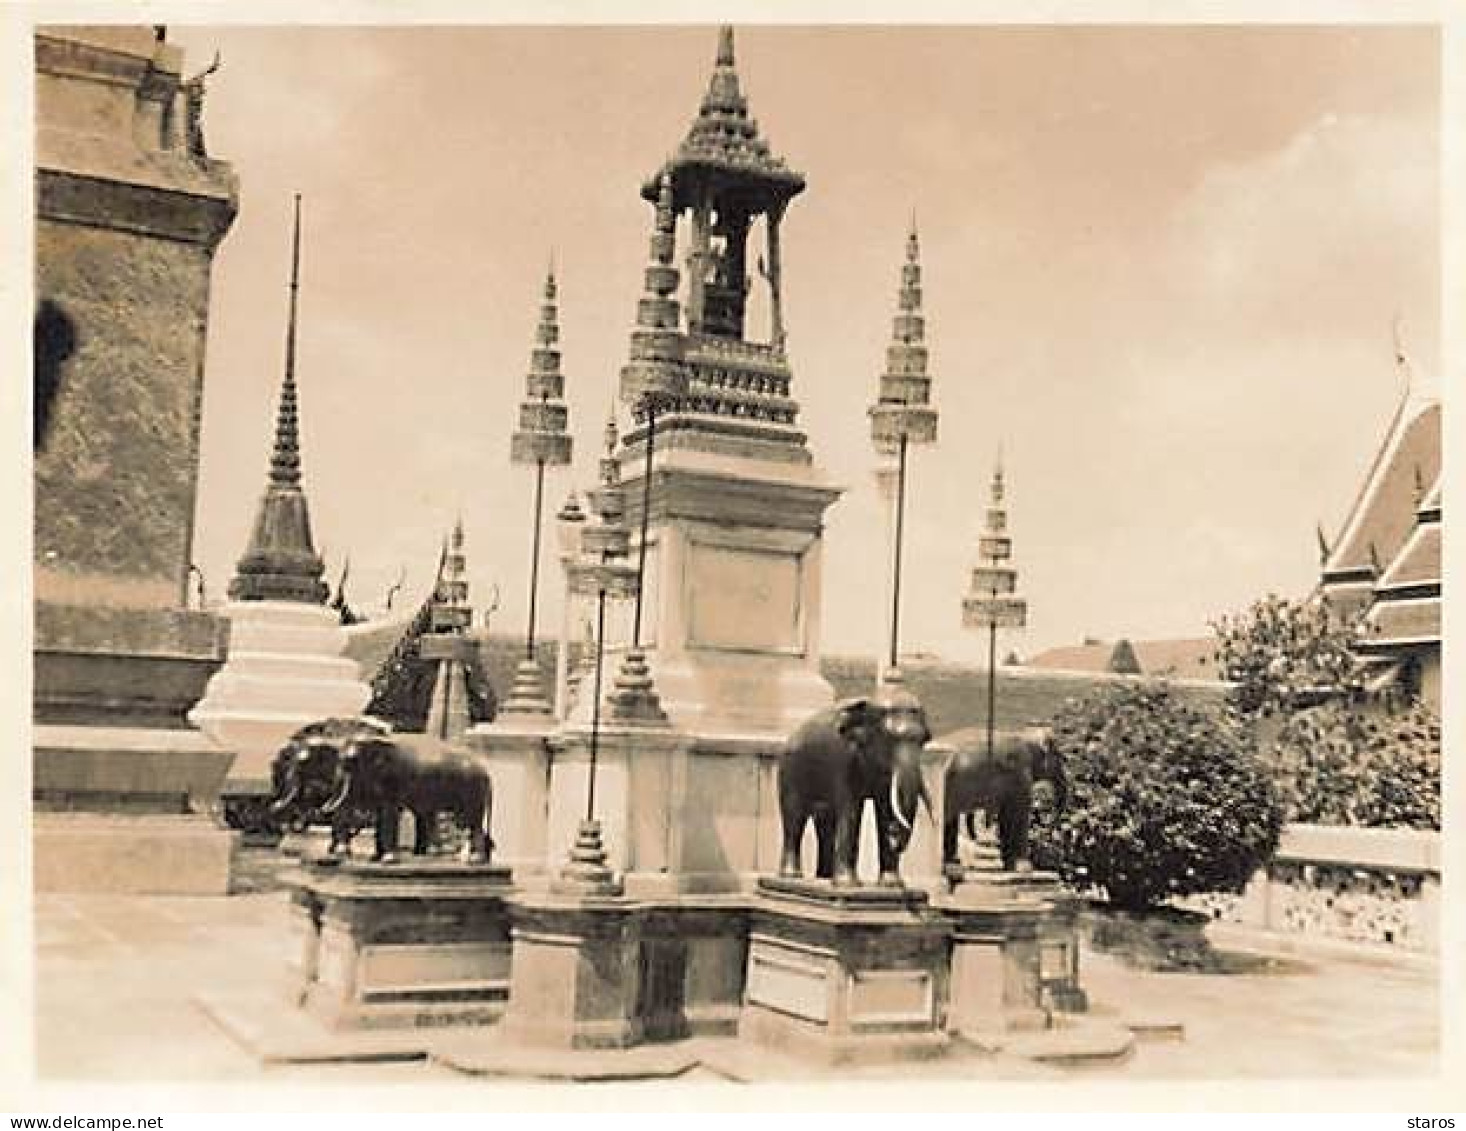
115, 484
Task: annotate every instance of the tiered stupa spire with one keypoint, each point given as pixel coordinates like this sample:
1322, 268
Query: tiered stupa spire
603, 572
653, 376
903, 415
903, 408
542, 440
281, 563
994, 579
543, 436
446, 644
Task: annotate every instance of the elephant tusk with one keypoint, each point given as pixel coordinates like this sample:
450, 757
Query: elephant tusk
896, 806
284, 802
338, 798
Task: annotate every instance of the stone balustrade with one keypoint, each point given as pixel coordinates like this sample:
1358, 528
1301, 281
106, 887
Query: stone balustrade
1373, 886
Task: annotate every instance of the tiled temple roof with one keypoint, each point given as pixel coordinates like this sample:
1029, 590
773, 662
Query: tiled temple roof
1383, 515
1407, 598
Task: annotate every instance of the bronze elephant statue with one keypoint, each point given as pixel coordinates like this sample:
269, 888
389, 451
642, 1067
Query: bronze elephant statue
833, 763
303, 777
384, 777
1000, 786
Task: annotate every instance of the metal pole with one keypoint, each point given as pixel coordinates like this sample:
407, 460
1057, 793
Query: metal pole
534, 556
992, 679
896, 565
595, 710
445, 673
562, 653
646, 510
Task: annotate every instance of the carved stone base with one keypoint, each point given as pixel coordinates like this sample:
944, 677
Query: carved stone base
634, 698
285, 669
576, 974
414, 943
1058, 927
845, 975
586, 873
527, 695
1015, 951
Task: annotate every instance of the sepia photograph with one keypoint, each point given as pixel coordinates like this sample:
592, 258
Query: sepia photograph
719, 553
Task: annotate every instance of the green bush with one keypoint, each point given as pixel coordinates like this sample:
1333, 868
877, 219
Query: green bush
1340, 764
1166, 798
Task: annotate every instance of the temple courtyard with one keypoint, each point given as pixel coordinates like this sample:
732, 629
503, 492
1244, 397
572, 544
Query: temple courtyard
119, 978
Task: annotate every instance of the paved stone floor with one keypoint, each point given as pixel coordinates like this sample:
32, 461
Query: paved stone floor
117, 978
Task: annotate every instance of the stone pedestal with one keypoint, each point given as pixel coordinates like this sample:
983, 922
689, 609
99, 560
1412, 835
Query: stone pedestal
996, 984
845, 975
732, 593
407, 944
1015, 951
126, 810
576, 973
284, 669
694, 954
635, 799
682, 814
515, 751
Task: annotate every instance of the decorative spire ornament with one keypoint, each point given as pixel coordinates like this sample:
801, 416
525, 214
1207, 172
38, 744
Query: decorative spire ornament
543, 440
281, 563
652, 381
992, 601
601, 571
902, 414
446, 643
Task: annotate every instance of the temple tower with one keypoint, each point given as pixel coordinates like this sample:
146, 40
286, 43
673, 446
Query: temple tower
130, 209
284, 668
732, 593
447, 644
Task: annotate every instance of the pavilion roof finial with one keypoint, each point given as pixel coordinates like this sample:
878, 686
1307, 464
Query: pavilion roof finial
724, 143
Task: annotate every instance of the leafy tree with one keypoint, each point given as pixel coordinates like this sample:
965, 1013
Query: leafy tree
1339, 765
1281, 654
1165, 798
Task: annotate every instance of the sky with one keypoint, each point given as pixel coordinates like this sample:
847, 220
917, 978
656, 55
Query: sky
1162, 265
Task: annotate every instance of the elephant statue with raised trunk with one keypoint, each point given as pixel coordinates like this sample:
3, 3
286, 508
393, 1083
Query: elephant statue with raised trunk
835, 761
384, 777
303, 776
1001, 787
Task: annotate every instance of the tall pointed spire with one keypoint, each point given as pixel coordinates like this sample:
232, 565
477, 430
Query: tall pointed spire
543, 436
991, 600
655, 367
281, 563
903, 407
724, 136
285, 461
